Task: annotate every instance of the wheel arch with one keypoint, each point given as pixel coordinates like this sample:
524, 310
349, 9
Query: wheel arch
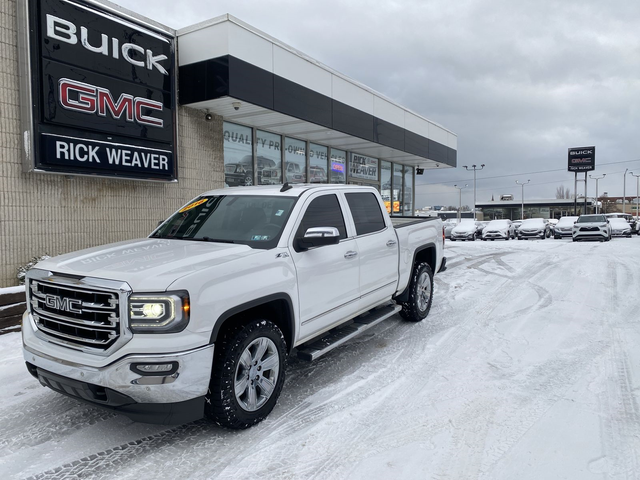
426, 253
278, 308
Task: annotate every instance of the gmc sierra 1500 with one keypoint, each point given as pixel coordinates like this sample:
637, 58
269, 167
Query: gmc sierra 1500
198, 318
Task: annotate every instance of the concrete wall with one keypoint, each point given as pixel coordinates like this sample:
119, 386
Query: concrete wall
52, 214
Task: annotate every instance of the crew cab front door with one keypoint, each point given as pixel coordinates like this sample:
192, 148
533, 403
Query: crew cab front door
328, 276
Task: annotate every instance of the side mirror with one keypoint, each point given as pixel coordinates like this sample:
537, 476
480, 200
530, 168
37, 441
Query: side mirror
317, 237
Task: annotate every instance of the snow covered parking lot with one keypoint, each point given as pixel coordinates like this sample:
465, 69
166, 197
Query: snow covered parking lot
527, 367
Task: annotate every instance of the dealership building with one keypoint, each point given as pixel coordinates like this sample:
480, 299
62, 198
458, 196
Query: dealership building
110, 122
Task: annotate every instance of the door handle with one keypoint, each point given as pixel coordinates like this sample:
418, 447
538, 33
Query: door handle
350, 254
391, 243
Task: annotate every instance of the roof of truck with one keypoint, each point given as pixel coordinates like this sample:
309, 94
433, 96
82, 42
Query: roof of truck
295, 190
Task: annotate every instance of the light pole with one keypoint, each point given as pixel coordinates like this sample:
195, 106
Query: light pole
596, 179
637, 192
624, 190
460, 198
474, 167
522, 208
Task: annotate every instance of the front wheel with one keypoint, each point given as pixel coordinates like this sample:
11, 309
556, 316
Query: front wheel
247, 376
417, 307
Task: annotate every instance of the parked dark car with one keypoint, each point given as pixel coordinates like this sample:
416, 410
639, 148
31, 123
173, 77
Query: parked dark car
243, 171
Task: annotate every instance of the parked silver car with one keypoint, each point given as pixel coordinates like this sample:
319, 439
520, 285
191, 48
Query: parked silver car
564, 227
591, 227
620, 227
534, 228
465, 230
500, 229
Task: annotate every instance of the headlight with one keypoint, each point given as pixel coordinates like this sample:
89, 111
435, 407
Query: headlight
159, 313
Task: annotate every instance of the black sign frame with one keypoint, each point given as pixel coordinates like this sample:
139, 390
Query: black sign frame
582, 159
98, 91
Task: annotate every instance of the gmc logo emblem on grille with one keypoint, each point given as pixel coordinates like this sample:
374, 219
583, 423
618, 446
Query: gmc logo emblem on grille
64, 304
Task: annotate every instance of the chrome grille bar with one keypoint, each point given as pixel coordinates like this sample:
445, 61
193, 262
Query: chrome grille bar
75, 315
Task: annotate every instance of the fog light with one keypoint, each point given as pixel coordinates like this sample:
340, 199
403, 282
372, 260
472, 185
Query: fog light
151, 369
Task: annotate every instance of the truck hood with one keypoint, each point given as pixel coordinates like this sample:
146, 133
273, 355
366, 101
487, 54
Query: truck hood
147, 264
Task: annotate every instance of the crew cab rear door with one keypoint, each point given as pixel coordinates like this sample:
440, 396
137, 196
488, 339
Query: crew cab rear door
377, 247
327, 276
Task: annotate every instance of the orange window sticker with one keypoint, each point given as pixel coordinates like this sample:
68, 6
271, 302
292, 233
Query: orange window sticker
193, 205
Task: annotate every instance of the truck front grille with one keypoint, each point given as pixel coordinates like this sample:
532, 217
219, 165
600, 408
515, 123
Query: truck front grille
75, 315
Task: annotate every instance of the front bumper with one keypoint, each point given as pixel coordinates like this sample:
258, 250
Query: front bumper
532, 234
595, 235
463, 236
562, 233
499, 235
175, 397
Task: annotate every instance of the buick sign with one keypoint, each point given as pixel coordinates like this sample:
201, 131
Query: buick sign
102, 86
582, 159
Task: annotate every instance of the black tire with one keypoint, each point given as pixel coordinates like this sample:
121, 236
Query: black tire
265, 344
417, 307
453, 239
248, 181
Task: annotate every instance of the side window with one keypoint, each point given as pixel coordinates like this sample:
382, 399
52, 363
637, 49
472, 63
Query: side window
366, 212
323, 212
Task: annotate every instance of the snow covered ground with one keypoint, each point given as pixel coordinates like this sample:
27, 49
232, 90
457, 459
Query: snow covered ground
528, 367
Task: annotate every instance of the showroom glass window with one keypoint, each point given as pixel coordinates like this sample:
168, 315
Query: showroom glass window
238, 155
268, 158
338, 166
318, 161
295, 160
408, 190
385, 184
363, 167
397, 189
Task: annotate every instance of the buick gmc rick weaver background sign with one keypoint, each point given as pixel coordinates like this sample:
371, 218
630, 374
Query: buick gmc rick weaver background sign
582, 159
102, 92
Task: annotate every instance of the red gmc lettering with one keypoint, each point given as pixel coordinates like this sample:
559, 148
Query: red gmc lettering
85, 98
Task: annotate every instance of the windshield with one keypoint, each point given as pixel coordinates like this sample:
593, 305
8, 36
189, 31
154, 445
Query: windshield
532, 222
498, 224
619, 222
566, 221
592, 219
251, 220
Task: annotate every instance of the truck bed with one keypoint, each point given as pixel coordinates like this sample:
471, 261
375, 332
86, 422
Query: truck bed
399, 222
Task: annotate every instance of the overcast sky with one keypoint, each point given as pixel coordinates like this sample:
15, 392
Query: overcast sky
519, 82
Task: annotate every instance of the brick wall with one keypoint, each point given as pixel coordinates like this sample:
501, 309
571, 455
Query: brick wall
52, 214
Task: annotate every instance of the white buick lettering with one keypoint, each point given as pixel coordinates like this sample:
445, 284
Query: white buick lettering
66, 31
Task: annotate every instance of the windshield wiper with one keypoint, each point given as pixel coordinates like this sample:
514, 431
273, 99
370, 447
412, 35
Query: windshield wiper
209, 239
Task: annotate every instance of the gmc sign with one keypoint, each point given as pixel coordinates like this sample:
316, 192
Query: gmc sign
582, 159
103, 91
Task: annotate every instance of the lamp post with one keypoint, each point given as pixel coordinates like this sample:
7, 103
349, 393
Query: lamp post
637, 192
624, 191
596, 179
460, 199
522, 207
474, 167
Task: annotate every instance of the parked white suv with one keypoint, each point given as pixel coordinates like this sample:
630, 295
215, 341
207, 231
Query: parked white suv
592, 227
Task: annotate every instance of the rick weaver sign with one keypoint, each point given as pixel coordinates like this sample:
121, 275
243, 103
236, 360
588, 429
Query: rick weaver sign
102, 89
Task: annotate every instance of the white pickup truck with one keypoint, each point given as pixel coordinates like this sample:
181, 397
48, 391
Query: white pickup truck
198, 319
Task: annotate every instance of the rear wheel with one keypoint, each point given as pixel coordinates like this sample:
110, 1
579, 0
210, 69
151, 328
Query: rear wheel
417, 307
247, 376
